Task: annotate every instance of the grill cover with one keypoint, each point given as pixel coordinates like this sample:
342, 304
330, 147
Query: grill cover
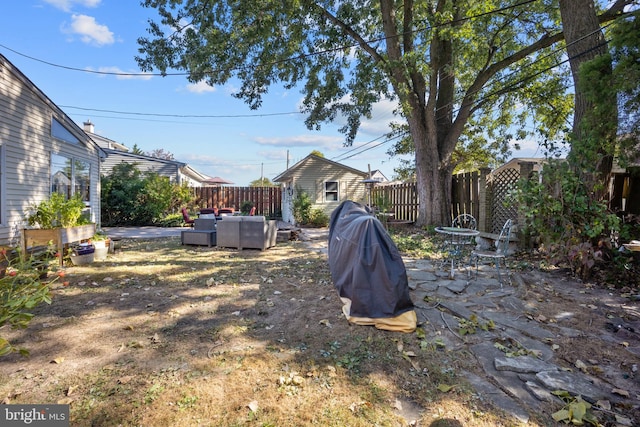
366, 266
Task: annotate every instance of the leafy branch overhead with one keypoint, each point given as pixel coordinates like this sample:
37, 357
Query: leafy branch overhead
461, 73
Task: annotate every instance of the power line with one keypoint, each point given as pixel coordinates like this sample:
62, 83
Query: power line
196, 116
307, 55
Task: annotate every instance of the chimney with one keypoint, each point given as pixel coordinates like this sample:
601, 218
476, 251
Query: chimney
88, 126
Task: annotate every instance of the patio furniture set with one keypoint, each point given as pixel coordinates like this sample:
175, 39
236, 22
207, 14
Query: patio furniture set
459, 240
231, 231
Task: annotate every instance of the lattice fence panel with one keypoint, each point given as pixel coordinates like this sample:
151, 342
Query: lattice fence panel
501, 184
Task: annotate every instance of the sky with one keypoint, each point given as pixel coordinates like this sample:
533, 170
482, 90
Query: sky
63, 45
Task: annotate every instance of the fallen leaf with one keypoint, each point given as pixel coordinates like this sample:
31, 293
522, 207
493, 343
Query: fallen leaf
125, 379
65, 401
253, 406
581, 365
325, 322
620, 392
623, 421
71, 389
400, 346
445, 388
58, 360
397, 405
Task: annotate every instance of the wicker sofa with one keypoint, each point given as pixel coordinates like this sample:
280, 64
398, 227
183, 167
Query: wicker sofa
247, 232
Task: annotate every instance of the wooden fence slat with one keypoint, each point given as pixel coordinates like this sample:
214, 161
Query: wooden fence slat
267, 200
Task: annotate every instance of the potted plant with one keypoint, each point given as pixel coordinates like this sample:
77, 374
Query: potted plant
59, 221
82, 254
101, 244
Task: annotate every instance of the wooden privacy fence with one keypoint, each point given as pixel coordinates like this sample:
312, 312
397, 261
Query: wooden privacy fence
267, 200
404, 197
483, 194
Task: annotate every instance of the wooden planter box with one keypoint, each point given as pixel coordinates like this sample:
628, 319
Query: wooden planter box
59, 237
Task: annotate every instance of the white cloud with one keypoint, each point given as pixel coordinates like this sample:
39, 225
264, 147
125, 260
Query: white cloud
200, 87
313, 141
66, 5
89, 30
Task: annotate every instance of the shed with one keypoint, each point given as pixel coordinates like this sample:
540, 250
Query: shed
328, 184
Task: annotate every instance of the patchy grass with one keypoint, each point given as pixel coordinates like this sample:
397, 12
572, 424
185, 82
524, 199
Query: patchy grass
164, 335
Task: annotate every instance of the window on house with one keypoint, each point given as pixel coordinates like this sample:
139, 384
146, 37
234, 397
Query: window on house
331, 191
70, 176
59, 131
81, 178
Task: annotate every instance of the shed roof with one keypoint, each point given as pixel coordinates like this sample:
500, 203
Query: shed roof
288, 174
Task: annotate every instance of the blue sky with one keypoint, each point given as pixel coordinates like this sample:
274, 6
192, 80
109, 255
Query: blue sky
49, 40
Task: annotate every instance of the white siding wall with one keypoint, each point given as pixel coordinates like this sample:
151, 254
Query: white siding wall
311, 177
27, 145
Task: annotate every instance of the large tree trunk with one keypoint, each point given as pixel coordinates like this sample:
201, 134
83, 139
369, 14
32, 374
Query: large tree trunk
585, 42
432, 191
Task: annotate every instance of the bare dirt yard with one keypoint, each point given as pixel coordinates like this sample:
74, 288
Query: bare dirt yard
161, 334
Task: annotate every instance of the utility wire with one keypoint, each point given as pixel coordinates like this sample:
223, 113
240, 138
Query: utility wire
197, 116
320, 52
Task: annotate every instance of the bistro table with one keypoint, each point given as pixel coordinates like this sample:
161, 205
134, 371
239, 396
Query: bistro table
455, 240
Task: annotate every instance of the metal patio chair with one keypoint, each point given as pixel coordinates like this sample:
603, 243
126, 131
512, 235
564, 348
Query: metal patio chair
458, 247
497, 256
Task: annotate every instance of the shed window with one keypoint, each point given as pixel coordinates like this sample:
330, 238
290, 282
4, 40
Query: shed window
331, 191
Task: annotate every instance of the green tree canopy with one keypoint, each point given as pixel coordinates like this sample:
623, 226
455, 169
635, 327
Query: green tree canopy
463, 72
262, 182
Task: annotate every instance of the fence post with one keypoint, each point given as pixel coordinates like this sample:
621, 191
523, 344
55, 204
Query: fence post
484, 201
526, 172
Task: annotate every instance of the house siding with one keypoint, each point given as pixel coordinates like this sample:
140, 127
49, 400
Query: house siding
115, 157
26, 148
310, 176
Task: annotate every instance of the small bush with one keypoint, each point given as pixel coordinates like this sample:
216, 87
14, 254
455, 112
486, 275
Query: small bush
23, 285
245, 207
302, 207
318, 218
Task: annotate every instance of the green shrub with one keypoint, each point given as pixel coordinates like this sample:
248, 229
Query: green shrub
245, 207
568, 225
22, 286
130, 197
302, 207
171, 220
318, 218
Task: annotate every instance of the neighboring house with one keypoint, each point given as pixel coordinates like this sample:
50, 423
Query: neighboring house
328, 183
177, 172
41, 150
378, 176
